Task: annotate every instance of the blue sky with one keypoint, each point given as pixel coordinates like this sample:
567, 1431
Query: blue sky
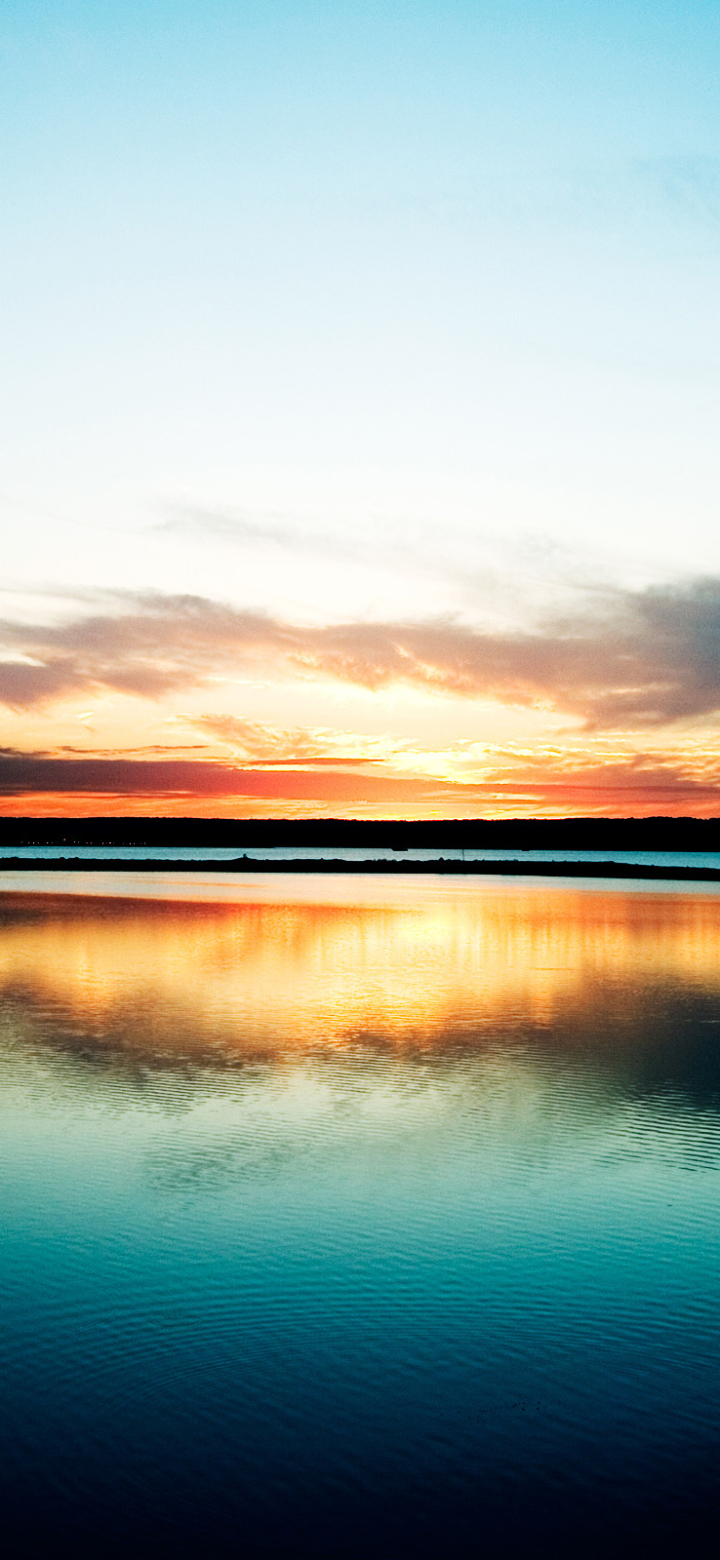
353, 313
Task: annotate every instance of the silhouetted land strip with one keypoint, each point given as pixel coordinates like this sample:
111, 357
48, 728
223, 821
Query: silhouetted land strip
520, 834
566, 869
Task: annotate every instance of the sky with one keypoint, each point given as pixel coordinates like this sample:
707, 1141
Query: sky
359, 442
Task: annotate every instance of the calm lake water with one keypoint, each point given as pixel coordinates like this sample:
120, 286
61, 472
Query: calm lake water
365, 1218
351, 853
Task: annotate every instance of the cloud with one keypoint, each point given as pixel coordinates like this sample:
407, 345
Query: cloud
638, 782
623, 660
253, 740
636, 198
272, 530
37, 773
357, 545
36, 782
147, 644
681, 192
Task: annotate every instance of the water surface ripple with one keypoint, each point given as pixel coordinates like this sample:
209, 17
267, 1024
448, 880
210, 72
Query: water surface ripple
360, 1222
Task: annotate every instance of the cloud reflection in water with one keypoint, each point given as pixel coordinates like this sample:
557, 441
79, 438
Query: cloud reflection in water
352, 1220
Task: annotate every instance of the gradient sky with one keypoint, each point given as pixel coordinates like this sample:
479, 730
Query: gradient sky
360, 425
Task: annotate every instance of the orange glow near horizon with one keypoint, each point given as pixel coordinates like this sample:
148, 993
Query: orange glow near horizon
587, 805
323, 771
293, 966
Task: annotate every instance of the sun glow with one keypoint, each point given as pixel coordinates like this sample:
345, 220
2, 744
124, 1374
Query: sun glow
280, 968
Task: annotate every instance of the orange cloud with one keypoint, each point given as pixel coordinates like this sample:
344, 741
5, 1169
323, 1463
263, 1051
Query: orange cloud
38, 784
625, 660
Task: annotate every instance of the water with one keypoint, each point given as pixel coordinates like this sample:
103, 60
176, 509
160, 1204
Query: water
351, 1217
352, 853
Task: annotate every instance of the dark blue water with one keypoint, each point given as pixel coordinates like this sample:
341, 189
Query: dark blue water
360, 1220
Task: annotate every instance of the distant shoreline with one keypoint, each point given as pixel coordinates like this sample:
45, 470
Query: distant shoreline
441, 867
692, 835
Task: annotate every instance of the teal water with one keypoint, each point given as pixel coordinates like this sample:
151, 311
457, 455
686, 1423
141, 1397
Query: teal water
352, 853
360, 1218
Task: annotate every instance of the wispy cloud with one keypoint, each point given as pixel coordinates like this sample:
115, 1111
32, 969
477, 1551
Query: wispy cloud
268, 530
257, 742
293, 536
646, 191
630, 197
624, 659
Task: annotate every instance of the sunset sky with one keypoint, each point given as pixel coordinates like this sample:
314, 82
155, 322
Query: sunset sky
360, 435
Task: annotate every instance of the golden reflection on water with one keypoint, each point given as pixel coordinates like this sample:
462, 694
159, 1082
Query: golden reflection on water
278, 976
